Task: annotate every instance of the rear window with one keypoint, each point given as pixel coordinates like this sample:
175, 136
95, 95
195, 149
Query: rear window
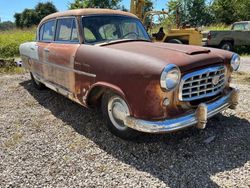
47, 31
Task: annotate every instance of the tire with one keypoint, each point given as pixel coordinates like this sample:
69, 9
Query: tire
38, 85
226, 46
174, 41
115, 125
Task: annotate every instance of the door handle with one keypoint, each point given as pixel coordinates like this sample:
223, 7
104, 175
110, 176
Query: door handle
46, 49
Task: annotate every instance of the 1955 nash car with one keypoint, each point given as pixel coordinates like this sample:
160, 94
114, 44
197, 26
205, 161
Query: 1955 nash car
99, 57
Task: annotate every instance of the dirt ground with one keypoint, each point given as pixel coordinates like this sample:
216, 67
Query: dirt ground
48, 141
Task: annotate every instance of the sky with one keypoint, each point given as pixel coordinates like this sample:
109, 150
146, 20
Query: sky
9, 7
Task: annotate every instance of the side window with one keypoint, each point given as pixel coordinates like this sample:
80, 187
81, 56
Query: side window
108, 31
47, 31
239, 27
66, 30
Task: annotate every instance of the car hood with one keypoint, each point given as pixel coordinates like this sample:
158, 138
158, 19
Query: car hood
185, 56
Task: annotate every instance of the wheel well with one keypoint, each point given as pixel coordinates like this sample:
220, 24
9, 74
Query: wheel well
227, 40
94, 98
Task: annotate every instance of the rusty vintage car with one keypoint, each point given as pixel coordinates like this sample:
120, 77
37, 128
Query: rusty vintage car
105, 58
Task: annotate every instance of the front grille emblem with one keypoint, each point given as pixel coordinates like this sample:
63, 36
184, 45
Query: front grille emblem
216, 80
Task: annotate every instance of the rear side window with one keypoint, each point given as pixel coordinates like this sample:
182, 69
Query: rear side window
66, 30
47, 31
240, 27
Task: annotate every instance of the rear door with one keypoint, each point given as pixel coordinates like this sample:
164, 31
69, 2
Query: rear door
45, 37
62, 53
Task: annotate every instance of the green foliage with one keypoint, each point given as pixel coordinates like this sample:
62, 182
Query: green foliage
6, 26
229, 11
218, 26
194, 12
10, 41
198, 13
225, 11
148, 5
110, 4
30, 17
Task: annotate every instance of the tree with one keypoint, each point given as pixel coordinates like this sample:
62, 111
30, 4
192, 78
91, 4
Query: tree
194, 12
229, 11
198, 13
148, 6
44, 9
177, 11
225, 11
110, 4
6, 25
18, 21
30, 17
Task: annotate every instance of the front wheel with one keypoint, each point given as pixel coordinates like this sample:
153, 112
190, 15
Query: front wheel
114, 110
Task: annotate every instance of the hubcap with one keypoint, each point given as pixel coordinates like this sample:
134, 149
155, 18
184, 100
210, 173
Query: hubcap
226, 47
117, 111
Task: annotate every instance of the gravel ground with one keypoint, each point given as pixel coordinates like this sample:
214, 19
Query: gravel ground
245, 64
48, 141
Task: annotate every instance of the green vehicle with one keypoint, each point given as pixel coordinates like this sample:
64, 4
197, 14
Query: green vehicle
239, 35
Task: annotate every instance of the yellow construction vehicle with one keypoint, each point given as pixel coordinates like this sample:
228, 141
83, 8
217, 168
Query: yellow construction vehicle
180, 35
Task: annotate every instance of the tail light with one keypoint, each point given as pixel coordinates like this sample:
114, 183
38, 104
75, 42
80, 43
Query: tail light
209, 36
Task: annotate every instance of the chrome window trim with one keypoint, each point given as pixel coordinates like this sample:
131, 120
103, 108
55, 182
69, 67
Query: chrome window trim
92, 15
54, 37
38, 31
200, 72
67, 41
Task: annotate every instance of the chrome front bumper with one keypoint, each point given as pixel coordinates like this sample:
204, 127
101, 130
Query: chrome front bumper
198, 117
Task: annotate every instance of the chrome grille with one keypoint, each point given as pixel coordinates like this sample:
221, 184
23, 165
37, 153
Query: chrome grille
203, 83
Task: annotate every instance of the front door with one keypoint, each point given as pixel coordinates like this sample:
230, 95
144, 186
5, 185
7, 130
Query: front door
62, 54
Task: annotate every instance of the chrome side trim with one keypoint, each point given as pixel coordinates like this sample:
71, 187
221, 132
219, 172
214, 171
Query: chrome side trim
69, 69
170, 125
57, 89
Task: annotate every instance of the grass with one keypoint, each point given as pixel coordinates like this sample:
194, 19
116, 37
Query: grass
217, 27
8, 66
11, 39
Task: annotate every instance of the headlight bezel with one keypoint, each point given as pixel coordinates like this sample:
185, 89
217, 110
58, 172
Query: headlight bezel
167, 81
235, 62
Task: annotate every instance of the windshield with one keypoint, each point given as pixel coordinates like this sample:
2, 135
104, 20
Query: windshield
105, 29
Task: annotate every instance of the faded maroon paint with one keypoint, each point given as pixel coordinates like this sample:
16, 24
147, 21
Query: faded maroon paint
131, 69
63, 55
135, 68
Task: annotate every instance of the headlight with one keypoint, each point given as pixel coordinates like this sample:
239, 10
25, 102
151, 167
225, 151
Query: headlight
235, 62
170, 77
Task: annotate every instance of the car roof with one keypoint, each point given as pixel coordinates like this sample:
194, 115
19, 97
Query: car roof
85, 12
241, 22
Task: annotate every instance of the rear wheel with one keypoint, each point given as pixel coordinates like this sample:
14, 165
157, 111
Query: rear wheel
37, 84
114, 110
226, 46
